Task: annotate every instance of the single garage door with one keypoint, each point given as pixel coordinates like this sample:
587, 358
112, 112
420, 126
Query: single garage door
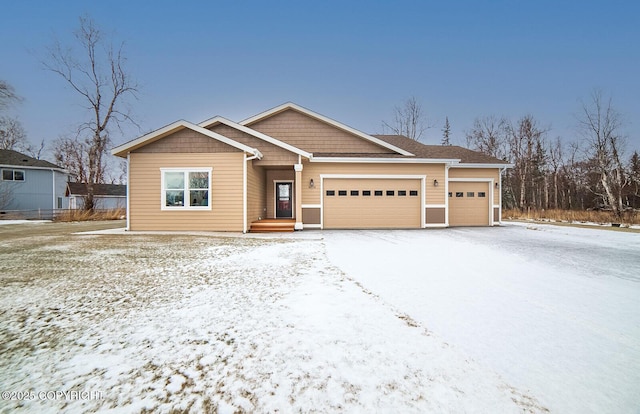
371, 203
468, 203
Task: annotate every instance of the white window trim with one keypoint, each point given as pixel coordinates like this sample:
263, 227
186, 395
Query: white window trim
13, 174
185, 170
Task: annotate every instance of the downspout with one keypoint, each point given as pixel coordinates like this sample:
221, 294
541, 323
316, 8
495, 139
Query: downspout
244, 193
128, 188
446, 194
53, 191
500, 195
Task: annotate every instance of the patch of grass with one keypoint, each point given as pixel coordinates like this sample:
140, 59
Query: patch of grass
91, 215
573, 216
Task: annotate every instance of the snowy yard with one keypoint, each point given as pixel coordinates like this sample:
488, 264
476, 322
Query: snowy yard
461, 320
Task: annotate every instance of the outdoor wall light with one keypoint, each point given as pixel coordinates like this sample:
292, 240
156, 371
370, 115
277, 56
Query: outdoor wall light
312, 184
435, 183
497, 185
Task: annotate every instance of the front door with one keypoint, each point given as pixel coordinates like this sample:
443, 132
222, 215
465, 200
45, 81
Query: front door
284, 200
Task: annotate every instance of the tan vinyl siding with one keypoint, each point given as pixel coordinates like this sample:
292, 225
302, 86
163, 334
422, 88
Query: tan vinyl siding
186, 141
312, 135
434, 195
272, 154
226, 192
487, 173
256, 192
277, 175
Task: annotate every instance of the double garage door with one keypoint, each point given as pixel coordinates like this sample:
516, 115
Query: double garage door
468, 203
371, 203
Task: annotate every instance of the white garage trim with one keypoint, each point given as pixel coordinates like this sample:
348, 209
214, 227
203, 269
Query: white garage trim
422, 178
491, 182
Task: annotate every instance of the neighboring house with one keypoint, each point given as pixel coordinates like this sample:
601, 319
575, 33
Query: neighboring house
105, 196
290, 162
29, 184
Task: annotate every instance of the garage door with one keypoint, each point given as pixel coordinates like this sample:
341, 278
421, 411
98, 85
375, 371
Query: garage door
468, 204
371, 203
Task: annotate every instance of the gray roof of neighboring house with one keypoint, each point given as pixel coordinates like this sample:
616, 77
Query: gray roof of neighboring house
15, 158
80, 189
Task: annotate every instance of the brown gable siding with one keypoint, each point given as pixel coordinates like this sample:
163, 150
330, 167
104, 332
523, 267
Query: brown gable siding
186, 141
312, 135
272, 154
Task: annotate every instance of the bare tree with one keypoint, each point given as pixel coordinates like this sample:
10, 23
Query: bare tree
529, 156
72, 154
446, 132
7, 95
489, 136
556, 162
408, 120
97, 74
12, 134
599, 125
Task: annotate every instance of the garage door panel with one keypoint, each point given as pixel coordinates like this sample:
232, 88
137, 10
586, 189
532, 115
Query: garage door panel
469, 204
372, 211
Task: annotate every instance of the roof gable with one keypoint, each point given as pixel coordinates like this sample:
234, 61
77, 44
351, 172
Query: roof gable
368, 143
124, 149
210, 123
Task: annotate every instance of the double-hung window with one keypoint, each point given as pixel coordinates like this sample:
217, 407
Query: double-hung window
186, 188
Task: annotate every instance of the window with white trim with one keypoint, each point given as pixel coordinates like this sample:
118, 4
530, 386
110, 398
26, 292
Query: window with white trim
186, 188
12, 175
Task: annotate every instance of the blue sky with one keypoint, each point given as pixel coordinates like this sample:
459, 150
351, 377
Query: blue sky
350, 60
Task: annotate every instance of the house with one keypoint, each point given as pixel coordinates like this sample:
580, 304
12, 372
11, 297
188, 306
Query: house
105, 196
292, 163
28, 184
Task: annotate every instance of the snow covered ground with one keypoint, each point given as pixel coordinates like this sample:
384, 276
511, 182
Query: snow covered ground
179, 323
554, 310
511, 319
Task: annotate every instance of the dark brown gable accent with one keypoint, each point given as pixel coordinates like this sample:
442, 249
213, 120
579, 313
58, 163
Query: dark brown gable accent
312, 135
271, 154
186, 141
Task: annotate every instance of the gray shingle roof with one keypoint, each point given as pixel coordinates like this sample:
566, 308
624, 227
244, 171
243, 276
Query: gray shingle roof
15, 158
98, 189
466, 156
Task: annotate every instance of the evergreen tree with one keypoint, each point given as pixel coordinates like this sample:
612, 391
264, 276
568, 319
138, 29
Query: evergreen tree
446, 132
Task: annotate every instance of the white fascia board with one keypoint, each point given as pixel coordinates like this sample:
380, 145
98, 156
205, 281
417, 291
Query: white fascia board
179, 125
226, 140
147, 137
291, 105
253, 132
356, 160
31, 167
471, 165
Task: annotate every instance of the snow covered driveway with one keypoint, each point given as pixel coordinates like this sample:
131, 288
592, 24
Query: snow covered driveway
195, 323
554, 310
